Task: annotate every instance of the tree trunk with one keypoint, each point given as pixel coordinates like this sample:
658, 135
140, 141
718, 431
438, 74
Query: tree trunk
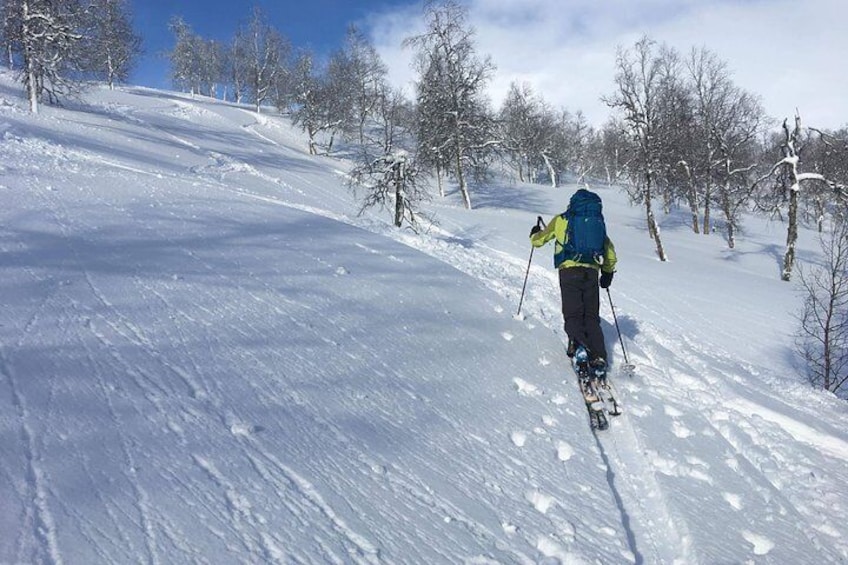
398, 196
731, 221
32, 88
693, 207
828, 324
791, 234
653, 227
654, 230
311, 132
460, 177
551, 171
708, 195
729, 216
691, 195
29, 62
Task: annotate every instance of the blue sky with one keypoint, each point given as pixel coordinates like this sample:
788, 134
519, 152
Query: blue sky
788, 52
319, 24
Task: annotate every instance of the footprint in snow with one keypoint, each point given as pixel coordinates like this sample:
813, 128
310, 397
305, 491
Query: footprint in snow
518, 438
525, 388
243, 429
507, 336
671, 468
681, 430
672, 411
559, 400
762, 545
540, 501
733, 500
564, 451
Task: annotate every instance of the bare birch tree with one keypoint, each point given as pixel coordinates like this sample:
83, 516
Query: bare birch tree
710, 84
9, 30
520, 129
115, 46
532, 135
822, 339
235, 69
387, 175
789, 181
450, 95
366, 74
825, 152
45, 37
265, 53
638, 79
734, 133
613, 152
186, 70
320, 101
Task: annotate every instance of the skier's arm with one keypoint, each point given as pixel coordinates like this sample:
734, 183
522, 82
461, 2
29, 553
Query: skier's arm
539, 239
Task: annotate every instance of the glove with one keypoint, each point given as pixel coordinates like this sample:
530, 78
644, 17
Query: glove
536, 229
606, 279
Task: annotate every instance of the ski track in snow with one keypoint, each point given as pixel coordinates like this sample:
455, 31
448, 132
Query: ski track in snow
723, 407
142, 497
639, 499
126, 330
648, 479
42, 524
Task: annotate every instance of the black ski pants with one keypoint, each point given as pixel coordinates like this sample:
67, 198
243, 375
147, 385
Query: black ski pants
581, 308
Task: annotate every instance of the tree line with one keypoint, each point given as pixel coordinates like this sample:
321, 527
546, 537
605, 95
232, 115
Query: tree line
681, 134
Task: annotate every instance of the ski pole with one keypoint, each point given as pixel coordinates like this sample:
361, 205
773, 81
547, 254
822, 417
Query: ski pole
527, 274
618, 329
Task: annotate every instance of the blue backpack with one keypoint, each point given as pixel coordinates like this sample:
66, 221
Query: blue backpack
586, 231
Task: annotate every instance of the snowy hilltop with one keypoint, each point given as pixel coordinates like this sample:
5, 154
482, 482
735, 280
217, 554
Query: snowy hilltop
207, 356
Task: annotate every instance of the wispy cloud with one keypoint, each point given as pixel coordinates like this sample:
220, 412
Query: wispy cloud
790, 52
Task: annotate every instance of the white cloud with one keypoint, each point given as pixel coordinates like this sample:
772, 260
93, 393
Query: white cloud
789, 52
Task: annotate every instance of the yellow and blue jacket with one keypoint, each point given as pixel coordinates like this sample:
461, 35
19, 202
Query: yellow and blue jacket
557, 229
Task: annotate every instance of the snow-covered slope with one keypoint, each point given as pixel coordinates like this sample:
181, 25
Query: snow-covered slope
205, 356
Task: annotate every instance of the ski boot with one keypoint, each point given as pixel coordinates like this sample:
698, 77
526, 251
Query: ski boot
584, 374
599, 369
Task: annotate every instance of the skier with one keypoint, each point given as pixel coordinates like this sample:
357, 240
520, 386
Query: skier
581, 252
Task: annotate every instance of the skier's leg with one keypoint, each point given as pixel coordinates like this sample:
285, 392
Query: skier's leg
592, 317
571, 283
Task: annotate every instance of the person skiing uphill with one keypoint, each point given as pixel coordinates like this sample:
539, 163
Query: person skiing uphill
582, 251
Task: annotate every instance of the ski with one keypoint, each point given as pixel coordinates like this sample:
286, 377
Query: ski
596, 390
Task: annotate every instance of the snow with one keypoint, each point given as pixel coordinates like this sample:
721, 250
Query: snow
207, 356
